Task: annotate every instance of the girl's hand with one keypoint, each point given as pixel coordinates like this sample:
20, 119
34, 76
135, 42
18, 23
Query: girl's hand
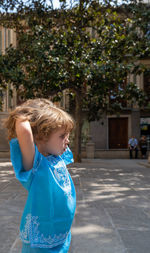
26, 142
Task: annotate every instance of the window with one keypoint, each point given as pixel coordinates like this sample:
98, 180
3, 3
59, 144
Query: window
9, 37
5, 45
147, 83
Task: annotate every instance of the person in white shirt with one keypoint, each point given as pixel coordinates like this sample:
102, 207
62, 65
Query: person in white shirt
133, 146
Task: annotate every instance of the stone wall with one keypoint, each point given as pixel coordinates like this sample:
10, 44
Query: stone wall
98, 131
135, 123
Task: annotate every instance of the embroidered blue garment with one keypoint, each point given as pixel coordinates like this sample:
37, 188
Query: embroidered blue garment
51, 202
63, 248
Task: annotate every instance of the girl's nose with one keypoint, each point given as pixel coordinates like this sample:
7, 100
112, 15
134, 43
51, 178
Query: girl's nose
67, 140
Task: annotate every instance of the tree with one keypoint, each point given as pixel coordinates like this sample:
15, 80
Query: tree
89, 49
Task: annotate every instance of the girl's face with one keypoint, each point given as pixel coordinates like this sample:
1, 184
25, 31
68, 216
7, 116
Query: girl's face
56, 144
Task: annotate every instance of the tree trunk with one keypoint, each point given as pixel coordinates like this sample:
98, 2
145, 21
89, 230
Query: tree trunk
78, 127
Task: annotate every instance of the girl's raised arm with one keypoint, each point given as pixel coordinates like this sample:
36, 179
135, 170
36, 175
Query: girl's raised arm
26, 142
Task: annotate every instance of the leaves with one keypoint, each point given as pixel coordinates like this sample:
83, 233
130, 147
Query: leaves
90, 50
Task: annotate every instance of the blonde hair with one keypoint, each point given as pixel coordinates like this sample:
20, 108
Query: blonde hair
45, 118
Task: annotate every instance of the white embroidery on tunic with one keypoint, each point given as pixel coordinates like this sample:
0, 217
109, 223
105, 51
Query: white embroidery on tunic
62, 176
58, 167
24, 234
39, 239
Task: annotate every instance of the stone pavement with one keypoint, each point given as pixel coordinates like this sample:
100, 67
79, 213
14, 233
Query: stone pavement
113, 207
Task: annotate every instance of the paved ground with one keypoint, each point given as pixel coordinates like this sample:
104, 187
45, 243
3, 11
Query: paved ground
113, 207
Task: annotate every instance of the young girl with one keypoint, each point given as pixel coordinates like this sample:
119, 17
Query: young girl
39, 135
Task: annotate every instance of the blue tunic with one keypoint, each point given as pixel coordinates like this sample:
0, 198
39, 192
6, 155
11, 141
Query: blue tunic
50, 206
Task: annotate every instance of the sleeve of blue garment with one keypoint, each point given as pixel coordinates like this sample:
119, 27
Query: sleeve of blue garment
67, 156
25, 177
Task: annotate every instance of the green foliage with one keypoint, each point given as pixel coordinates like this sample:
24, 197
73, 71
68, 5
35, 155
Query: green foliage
89, 49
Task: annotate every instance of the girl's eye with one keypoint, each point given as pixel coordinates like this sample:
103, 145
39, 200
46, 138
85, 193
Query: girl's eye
62, 136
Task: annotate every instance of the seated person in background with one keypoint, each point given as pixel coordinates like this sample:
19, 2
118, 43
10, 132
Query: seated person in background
133, 146
143, 146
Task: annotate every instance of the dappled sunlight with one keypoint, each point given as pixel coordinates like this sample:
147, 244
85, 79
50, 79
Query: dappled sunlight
5, 164
78, 169
90, 229
4, 172
143, 189
109, 196
4, 180
112, 203
113, 185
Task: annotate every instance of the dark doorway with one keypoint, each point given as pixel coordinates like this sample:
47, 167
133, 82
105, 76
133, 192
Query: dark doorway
118, 133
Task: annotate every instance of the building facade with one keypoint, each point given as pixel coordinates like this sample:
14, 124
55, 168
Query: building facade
7, 37
112, 132
109, 135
